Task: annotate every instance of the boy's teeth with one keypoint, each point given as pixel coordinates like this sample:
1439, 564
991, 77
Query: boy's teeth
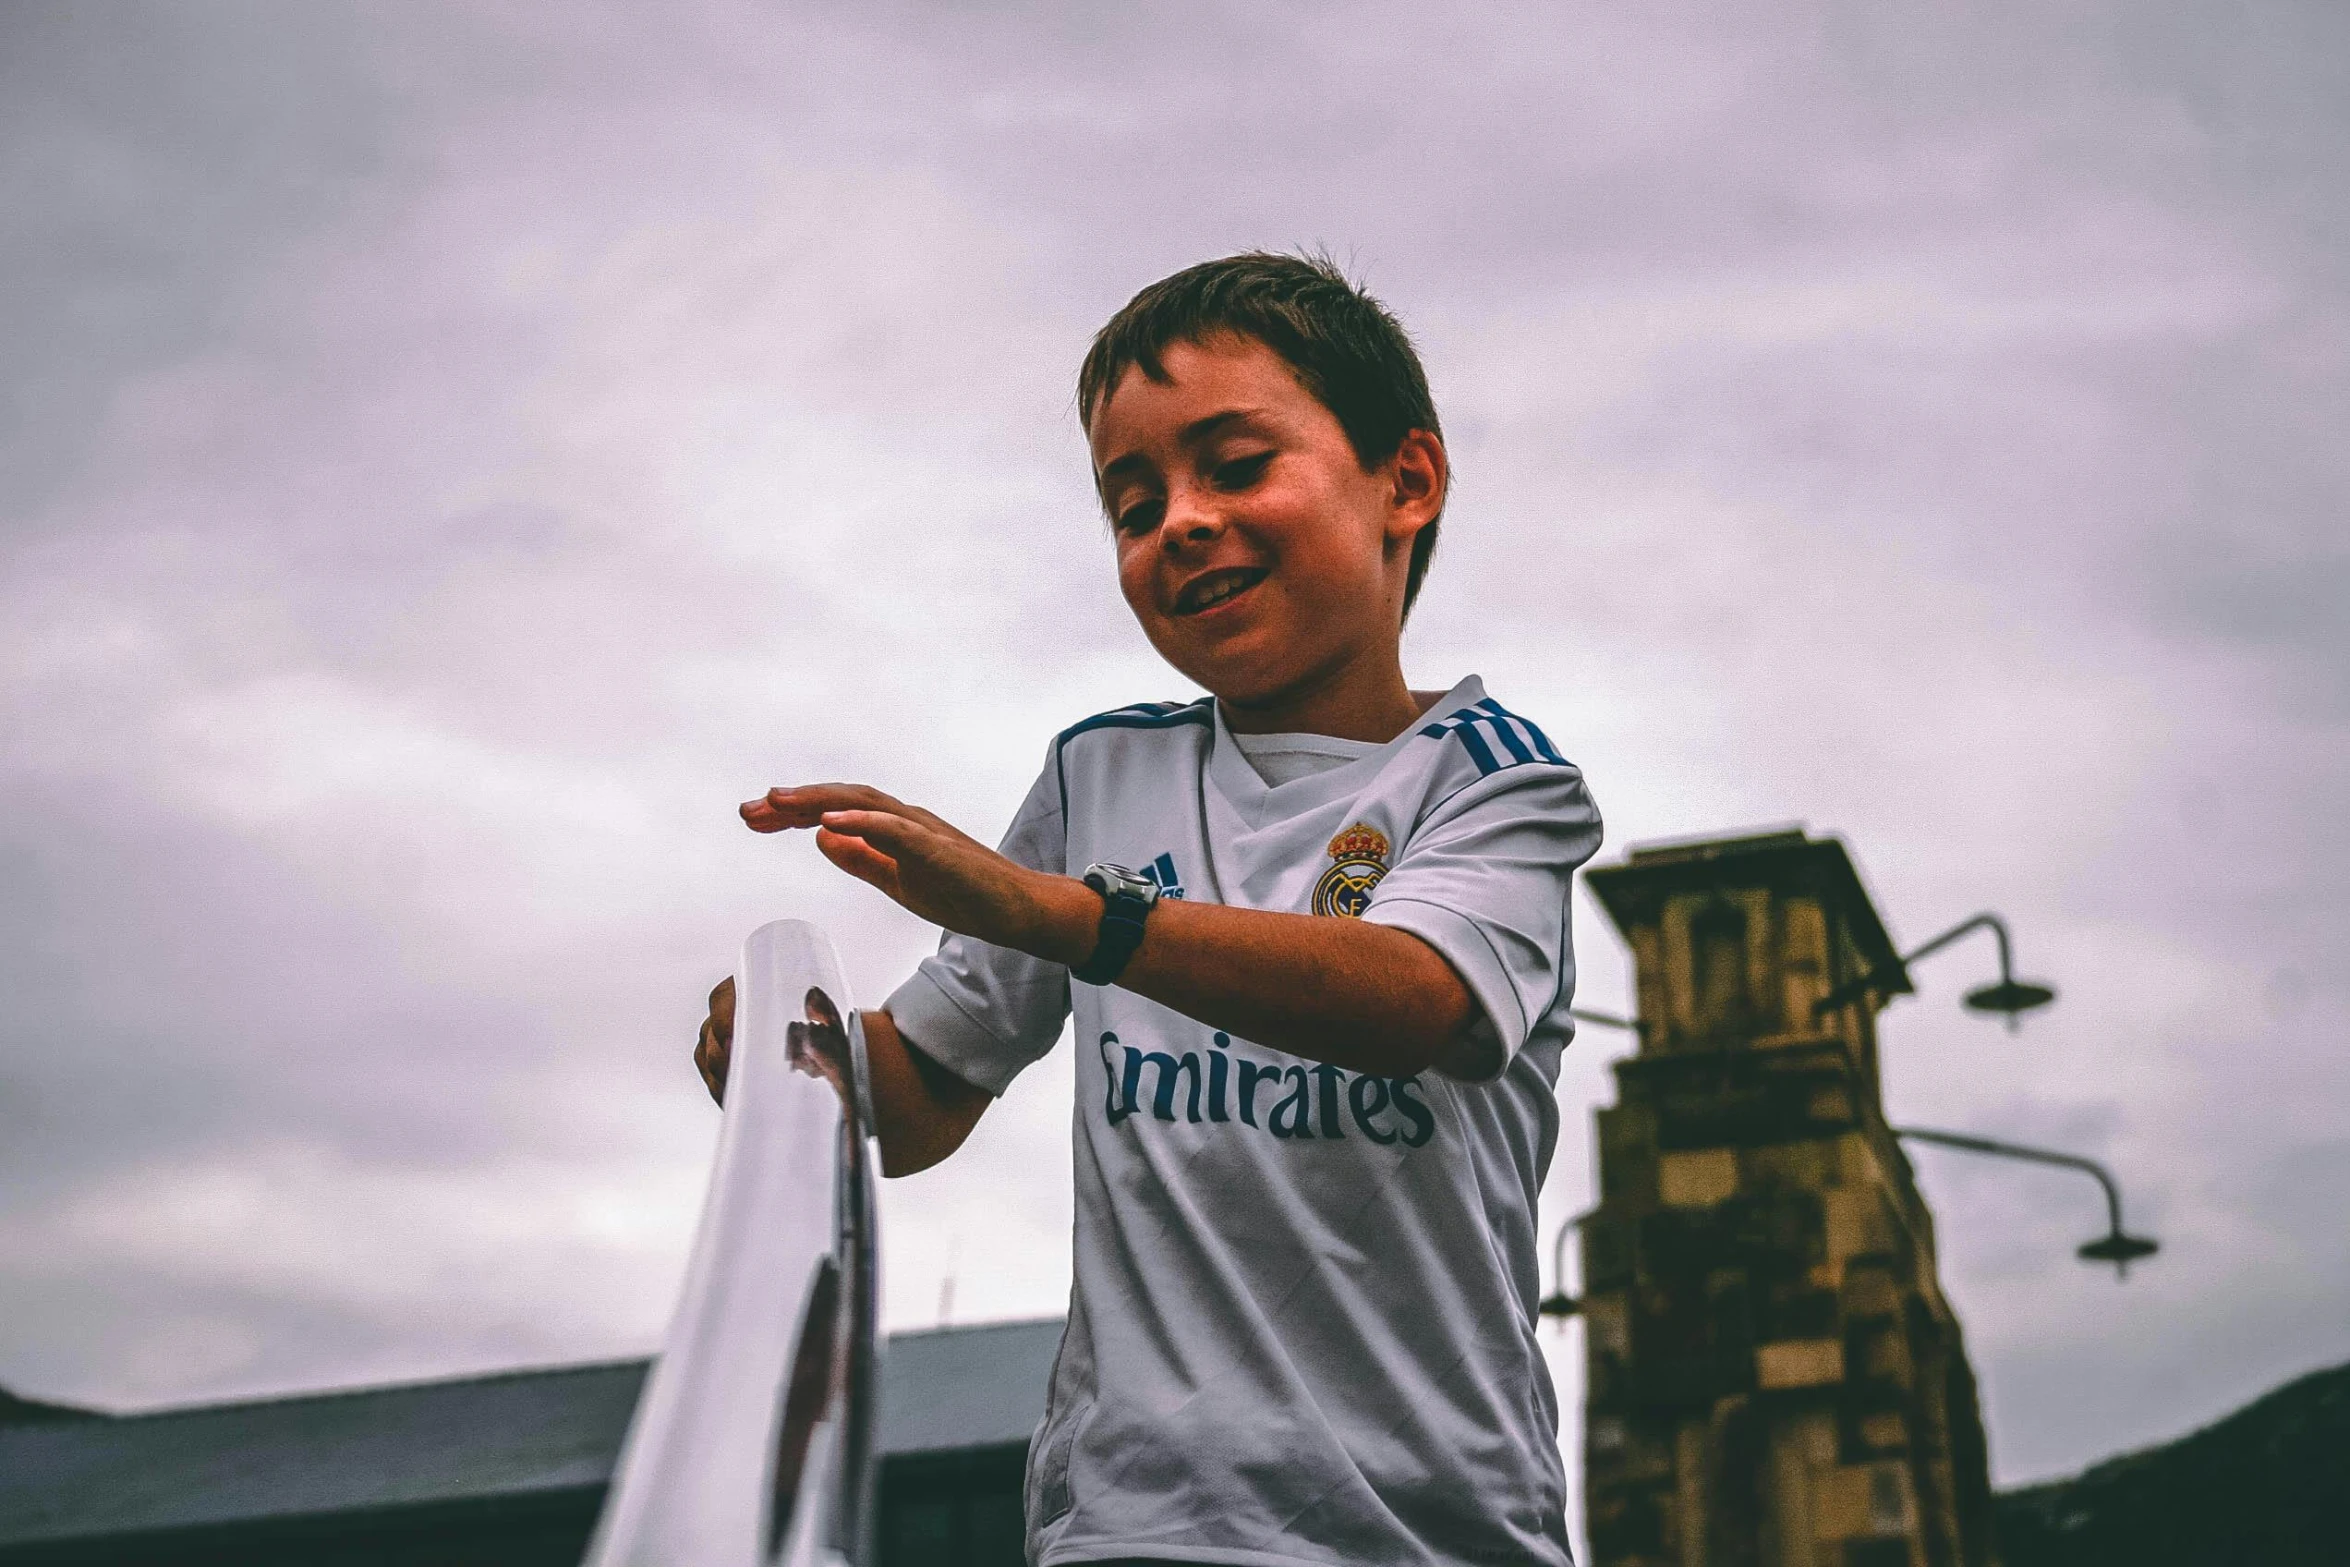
1217, 592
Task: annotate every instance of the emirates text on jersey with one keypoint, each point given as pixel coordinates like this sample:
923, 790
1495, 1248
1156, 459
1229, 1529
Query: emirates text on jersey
1295, 1101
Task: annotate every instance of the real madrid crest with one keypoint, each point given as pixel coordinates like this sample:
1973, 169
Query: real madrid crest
1358, 858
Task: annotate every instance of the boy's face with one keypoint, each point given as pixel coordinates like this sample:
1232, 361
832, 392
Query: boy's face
1261, 558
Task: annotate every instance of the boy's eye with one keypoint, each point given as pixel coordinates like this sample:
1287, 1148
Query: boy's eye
1142, 516
1241, 472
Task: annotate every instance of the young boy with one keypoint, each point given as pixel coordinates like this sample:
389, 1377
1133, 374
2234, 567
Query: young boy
1314, 930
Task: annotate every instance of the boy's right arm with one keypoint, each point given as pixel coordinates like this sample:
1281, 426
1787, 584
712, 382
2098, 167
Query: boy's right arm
922, 1112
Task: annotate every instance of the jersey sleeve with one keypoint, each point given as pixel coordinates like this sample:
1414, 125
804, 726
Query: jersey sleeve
1486, 880
985, 1012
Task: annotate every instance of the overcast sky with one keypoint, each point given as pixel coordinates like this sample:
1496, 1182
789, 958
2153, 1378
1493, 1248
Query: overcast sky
452, 454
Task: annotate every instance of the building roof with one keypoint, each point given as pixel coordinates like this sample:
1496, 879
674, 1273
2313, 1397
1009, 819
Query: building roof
958, 1388
511, 1436
1633, 889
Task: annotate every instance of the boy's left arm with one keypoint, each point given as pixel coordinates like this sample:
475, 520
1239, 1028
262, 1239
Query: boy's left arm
1363, 994
1365, 997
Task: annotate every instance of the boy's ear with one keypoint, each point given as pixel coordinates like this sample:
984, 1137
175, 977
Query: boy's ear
1421, 475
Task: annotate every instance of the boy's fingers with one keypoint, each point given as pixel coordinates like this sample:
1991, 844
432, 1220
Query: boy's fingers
779, 808
843, 844
710, 1061
716, 1035
803, 805
815, 799
859, 858
891, 834
759, 816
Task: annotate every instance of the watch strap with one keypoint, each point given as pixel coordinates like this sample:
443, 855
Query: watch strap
1120, 932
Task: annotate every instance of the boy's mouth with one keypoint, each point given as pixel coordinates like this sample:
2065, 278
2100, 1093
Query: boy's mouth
1211, 588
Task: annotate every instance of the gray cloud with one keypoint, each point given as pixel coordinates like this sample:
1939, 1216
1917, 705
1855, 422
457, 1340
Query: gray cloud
152, 167
454, 454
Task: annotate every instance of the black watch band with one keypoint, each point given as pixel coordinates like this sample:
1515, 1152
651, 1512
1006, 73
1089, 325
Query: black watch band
1127, 900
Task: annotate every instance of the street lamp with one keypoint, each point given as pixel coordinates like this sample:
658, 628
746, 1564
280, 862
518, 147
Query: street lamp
2116, 1245
2010, 998
1558, 1303
2007, 997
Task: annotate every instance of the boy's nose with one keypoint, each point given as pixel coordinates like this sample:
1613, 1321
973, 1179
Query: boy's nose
1191, 519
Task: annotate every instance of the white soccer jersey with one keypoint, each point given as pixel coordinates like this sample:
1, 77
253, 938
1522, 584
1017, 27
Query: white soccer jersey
1302, 1329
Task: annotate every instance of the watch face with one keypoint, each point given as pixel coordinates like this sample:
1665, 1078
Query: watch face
1111, 879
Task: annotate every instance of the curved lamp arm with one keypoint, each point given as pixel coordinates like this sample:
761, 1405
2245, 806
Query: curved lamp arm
2010, 997
2115, 1246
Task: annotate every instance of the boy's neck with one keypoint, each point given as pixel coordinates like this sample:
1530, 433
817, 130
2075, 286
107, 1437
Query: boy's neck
1373, 705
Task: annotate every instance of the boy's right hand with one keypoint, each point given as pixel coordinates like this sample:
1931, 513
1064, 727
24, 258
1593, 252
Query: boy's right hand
922, 1111
711, 1047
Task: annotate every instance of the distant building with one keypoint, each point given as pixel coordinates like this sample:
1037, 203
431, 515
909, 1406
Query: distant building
1776, 1377
506, 1469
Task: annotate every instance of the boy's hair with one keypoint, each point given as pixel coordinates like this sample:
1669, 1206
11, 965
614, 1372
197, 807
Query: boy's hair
1342, 345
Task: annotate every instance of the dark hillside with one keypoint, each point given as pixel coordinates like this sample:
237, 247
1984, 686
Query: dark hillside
15, 1411
2268, 1485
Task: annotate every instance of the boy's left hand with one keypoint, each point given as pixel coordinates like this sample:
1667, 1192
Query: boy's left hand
1350, 992
926, 865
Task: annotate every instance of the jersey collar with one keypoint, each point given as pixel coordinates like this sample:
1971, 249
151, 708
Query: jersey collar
1259, 802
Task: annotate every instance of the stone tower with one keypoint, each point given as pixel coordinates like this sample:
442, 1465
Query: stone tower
1776, 1378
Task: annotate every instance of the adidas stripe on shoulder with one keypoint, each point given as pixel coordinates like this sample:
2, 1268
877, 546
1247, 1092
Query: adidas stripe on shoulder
1495, 737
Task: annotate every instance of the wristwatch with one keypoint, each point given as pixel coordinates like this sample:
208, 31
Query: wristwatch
1127, 899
